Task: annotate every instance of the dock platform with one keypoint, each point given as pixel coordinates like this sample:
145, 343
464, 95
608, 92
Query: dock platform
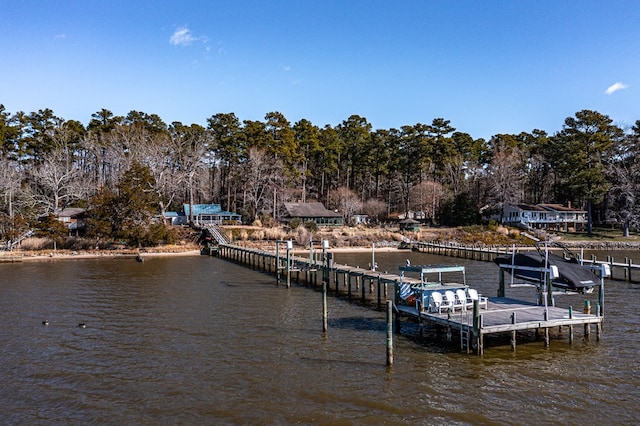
502, 315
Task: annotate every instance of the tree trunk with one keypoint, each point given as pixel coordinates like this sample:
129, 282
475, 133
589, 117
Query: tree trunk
589, 219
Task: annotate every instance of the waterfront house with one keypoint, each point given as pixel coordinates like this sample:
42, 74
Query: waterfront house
211, 213
312, 212
555, 217
72, 217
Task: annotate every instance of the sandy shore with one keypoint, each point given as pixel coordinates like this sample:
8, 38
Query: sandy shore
65, 255
49, 255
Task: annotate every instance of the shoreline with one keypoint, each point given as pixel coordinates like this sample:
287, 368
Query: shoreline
16, 256
19, 256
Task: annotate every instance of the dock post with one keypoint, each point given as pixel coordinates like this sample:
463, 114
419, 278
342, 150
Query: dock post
571, 326
501, 289
513, 333
598, 324
379, 292
277, 264
587, 310
389, 333
601, 292
476, 327
324, 306
546, 330
289, 247
629, 263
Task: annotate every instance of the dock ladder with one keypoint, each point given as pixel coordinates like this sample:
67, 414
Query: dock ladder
465, 331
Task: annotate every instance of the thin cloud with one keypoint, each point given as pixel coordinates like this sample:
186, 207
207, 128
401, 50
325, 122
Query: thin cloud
182, 37
615, 87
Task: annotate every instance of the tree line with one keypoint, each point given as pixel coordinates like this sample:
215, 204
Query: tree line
128, 169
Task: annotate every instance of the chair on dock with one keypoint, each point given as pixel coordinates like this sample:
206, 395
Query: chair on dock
450, 299
437, 303
462, 301
473, 295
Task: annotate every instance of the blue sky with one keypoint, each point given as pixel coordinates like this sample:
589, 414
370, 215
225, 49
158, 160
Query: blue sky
487, 66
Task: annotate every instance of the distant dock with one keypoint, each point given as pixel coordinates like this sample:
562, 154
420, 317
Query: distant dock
624, 270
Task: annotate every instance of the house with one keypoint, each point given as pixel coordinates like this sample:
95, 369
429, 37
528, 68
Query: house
211, 213
312, 212
72, 217
360, 219
409, 225
544, 216
174, 218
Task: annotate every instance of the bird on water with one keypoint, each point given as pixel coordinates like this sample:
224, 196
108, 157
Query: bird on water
45, 322
82, 325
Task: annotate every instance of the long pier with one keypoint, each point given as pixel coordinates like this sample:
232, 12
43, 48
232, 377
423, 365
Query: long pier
620, 271
371, 288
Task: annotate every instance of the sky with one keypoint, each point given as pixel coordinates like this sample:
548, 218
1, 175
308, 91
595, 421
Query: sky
488, 67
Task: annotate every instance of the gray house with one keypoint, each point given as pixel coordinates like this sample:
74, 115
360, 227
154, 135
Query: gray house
312, 212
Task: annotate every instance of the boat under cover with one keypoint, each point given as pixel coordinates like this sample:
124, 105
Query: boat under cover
571, 274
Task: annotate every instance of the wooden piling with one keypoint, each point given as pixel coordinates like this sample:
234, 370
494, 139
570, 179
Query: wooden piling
571, 326
389, 333
513, 333
587, 310
546, 331
324, 306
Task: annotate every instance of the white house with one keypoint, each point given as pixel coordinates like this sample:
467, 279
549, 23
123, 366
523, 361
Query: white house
544, 216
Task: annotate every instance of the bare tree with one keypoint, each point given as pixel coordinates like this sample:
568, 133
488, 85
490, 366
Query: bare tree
346, 201
10, 178
507, 178
262, 174
427, 196
56, 181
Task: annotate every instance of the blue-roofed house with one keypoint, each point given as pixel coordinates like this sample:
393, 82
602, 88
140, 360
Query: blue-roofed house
211, 213
175, 218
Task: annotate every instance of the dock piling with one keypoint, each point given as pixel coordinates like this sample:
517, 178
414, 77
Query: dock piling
389, 333
587, 310
324, 306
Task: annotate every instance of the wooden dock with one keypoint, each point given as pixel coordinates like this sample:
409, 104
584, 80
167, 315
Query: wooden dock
371, 288
504, 315
624, 270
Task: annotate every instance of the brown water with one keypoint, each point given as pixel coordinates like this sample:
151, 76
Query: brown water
197, 340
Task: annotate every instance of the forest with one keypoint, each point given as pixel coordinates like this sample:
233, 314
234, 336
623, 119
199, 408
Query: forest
128, 170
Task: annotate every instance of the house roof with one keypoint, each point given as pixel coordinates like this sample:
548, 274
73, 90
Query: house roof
309, 210
560, 208
70, 212
409, 222
199, 209
528, 207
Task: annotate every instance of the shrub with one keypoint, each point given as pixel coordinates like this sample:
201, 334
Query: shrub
303, 236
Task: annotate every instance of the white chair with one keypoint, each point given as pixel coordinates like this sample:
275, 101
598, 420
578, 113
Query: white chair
461, 299
450, 299
473, 295
437, 303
